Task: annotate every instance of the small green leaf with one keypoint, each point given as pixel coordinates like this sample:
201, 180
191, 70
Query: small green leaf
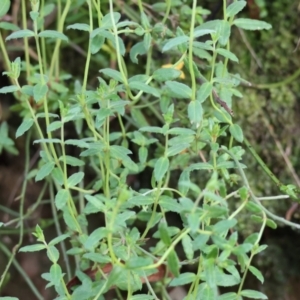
9, 89
114, 276
228, 296
28, 90
111, 37
201, 32
96, 201
175, 42
79, 26
107, 20
182, 279
253, 207
95, 237
234, 8
183, 179
173, 263
53, 34
153, 129
181, 131
137, 49
39, 233
56, 274
113, 74
260, 249
74, 179
140, 86
97, 257
193, 221
138, 262
70, 220
164, 234
121, 153
144, 20
253, 294
142, 297
250, 24
39, 91
72, 161
237, 132
96, 43
54, 126
210, 272
270, 223
164, 74
44, 171
188, 247
256, 273
9, 26
138, 117
78, 143
53, 254
224, 225
47, 9
25, 126
34, 15
200, 241
227, 54
179, 89
147, 41
243, 192
143, 154
160, 168
58, 239
257, 219
223, 31
61, 198
195, 112
173, 150
47, 141
141, 200
207, 292
204, 91
4, 7
20, 34
33, 248
127, 23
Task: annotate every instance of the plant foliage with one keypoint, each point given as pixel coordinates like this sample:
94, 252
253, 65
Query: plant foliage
161, 108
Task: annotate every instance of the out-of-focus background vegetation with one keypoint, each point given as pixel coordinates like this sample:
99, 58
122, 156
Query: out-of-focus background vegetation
268, 113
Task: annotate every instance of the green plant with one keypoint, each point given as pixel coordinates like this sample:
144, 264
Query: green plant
177, 122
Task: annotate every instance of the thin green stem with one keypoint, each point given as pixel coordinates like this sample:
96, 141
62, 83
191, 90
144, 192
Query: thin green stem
21, 208
4, 52
167, 13
271, 175
273, 85
61, 22
26, 44
111, 9
88, 57
21, 271
246, 183
149, 60
54, 211
252, 254
43, 44
191, 41
167, 252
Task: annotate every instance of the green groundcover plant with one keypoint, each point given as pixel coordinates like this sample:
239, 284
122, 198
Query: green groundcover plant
163, 110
